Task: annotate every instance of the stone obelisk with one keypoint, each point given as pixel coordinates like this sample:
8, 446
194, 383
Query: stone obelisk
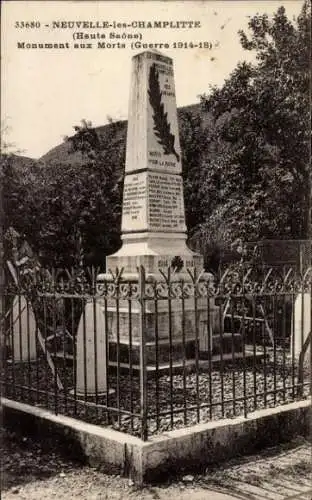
153, 217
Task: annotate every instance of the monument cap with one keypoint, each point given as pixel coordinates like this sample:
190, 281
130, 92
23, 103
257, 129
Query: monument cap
154, 52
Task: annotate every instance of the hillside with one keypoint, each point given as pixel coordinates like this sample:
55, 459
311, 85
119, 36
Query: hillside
62, 153
20, 163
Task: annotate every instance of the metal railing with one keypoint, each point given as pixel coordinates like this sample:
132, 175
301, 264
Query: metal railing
145, 355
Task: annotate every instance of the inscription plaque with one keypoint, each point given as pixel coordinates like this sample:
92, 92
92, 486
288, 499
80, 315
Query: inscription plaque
165, 202
153, 201
134, 202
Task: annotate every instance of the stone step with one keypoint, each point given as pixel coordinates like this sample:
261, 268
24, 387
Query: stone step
189, 365
227, 344
178, 350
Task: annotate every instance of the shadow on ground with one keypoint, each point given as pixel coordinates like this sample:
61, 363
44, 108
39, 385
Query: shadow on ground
24, 460
36, 469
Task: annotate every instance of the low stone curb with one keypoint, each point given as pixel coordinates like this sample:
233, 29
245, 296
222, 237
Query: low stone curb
189, 449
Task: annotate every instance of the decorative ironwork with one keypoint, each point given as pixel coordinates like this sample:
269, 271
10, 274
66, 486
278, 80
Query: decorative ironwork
239, 280
236, 281
148, 324
177, 263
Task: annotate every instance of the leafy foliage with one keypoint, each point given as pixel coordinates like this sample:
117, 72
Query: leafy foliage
64, 211
193, 137
256, 177
245, 160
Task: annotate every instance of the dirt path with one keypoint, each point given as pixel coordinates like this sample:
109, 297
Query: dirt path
31, 472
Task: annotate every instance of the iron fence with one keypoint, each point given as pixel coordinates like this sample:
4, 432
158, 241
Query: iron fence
146, 354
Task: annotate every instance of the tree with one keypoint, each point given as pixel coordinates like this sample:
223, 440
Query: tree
260, 166
100, 208
68, 212
193, 137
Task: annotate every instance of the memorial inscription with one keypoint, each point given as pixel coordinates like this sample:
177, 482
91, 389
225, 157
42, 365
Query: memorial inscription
166, 208
134, 202
153, 201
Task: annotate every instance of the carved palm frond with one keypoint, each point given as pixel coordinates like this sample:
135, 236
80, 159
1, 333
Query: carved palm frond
161, 124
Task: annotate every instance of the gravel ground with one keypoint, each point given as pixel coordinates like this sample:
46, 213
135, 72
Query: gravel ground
32, 472
276, 377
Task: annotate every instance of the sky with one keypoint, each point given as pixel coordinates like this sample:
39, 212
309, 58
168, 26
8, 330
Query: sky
45, 92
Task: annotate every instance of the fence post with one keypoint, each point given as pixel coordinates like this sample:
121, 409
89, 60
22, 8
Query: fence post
2, 275
143, 370
310, 365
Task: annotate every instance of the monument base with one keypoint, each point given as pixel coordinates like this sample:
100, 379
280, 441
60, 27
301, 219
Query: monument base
158, 353
155, 252
176, 325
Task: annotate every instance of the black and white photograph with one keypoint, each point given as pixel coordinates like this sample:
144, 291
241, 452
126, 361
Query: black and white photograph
156, 250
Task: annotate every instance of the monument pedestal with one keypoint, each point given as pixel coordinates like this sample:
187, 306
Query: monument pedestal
154, 251
154, 233
172, 325
174, 329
